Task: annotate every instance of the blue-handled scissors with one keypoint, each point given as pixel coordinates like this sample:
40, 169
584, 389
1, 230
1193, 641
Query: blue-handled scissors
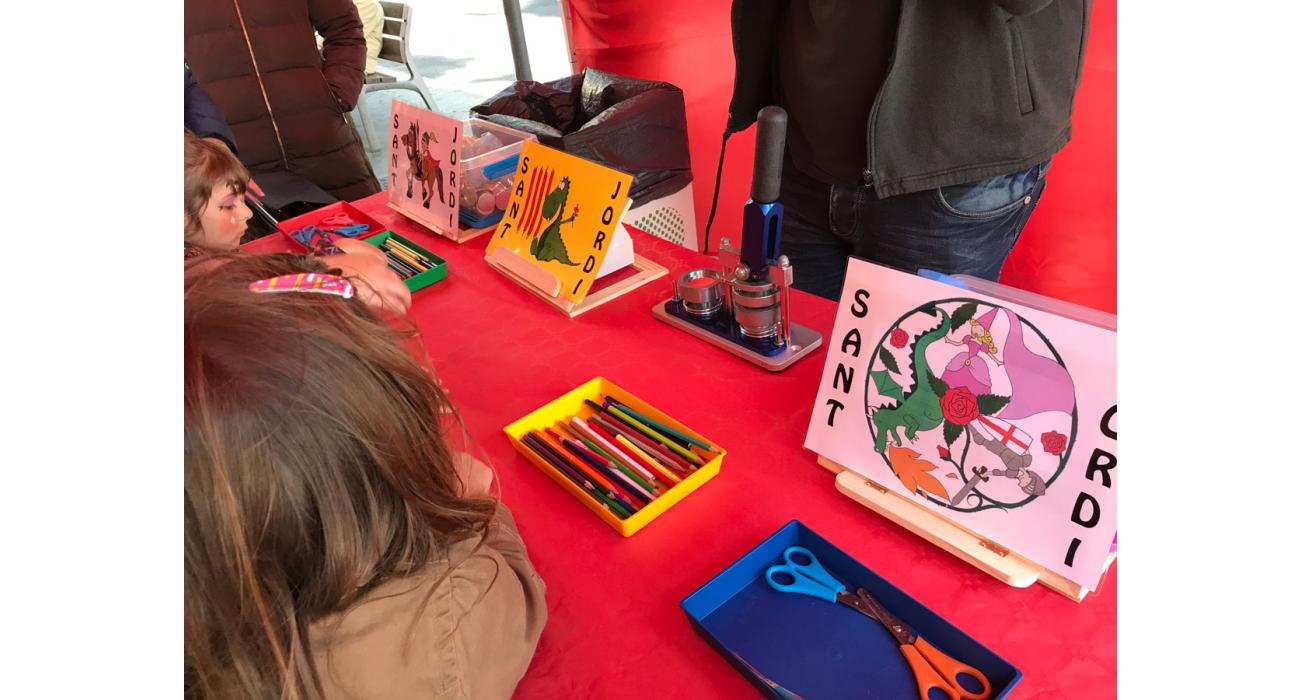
316, 241
934, 670
350, 231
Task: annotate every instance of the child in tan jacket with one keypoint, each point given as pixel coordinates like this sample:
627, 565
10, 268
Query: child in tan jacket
335, 546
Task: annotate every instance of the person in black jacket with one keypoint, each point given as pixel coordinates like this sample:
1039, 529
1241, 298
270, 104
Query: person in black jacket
204, 119
920, 131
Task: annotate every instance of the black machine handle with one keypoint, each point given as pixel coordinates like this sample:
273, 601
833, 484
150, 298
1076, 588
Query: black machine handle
769, 149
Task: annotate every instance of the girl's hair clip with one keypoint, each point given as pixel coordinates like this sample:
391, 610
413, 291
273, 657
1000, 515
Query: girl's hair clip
309, 282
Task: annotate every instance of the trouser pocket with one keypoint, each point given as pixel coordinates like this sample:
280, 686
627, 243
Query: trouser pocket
992, 197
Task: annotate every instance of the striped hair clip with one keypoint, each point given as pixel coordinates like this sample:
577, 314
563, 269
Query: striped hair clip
309, 282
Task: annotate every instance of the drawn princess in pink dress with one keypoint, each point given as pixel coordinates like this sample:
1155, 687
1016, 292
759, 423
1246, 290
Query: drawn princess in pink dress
969, 369
1036, 383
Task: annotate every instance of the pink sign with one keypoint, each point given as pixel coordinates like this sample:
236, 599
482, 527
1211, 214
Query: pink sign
423, 152
998, 416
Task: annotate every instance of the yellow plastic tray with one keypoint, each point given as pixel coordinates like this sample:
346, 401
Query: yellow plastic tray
571, 404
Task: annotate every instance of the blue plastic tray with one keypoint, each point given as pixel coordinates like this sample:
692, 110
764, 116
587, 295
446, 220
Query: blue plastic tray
819, 649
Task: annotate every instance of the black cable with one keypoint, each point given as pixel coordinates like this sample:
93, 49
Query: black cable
717, 182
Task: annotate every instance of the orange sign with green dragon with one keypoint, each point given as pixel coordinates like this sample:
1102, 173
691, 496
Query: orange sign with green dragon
561, 216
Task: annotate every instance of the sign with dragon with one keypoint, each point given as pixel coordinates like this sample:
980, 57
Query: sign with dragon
563, 215
999, 416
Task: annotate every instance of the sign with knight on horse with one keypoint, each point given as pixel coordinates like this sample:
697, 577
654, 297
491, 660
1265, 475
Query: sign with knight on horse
423, 150
1000, 417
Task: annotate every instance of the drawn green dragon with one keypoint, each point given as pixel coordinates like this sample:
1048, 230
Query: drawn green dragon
919, 410
549, 245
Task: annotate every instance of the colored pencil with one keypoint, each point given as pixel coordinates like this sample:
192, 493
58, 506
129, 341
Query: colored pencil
600, 463
647, 460
409, 250
652, 445
547, 452
651, 432
410, 269
538, 449
407, 256
665, 429
665, 457
619, 495
663, 471
580, 465
603, 466
628, 416
534, 445
650, 485
618, 486
610, 447
610, 435
406, 261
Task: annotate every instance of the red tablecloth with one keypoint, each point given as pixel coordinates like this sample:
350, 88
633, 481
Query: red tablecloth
615, 627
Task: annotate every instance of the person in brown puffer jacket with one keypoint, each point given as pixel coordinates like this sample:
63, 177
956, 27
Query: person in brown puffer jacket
285, 103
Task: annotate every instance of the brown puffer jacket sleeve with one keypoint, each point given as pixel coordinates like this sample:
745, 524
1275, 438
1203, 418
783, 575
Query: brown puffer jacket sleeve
344, 50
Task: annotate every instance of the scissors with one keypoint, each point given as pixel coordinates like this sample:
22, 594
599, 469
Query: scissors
315, 240
934, 670
350, 231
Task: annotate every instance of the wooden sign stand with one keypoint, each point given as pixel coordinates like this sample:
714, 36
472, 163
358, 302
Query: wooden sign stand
546, 286
462, 234
993, 559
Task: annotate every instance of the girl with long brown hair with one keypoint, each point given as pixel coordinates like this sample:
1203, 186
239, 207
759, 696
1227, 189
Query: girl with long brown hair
335, 545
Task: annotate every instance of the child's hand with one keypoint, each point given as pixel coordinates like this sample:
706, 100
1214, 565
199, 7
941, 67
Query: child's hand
351, 246
475, 476
377, 285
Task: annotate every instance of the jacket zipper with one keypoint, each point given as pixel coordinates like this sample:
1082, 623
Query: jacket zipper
867, 176
284, 158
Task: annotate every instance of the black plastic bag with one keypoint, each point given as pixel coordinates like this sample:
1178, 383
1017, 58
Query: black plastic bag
636, 126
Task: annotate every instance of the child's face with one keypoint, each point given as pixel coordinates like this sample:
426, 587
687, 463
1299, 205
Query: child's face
224, 219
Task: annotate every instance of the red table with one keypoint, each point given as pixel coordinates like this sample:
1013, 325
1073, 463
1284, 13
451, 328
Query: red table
615, 627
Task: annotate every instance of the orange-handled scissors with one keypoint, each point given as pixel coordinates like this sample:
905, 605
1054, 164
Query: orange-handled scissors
934, 670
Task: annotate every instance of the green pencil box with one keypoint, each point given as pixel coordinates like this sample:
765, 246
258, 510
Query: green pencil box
415, 282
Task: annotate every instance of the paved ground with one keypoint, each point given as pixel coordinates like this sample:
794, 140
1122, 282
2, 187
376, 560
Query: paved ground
463, 51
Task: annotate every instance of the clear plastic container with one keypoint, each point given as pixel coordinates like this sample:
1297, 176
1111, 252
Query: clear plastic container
489, 157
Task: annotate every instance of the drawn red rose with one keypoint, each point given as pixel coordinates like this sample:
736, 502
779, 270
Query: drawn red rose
959, 406
898, 338
1054, 442
943, 452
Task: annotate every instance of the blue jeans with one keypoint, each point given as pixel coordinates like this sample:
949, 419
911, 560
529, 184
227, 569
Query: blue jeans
962, 229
